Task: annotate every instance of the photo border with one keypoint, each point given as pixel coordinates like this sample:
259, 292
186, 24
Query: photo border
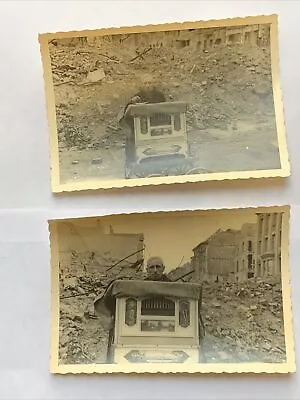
282, 172
288, 367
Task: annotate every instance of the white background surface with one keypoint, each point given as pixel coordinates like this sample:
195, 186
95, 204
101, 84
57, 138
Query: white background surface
26, 201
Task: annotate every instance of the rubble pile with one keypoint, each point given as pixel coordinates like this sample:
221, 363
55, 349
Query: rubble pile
83, 335
182, 273
82, 338
244, 322
94, 81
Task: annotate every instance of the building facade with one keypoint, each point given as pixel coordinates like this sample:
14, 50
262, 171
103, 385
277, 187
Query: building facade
268, 245
238, 255
89, 249
245, 261
205, 39
215, 259
200, 39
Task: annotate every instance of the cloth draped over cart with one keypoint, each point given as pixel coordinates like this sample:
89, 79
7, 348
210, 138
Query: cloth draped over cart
139, 288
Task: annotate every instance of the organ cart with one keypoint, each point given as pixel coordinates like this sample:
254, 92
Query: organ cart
153, 322
157, 141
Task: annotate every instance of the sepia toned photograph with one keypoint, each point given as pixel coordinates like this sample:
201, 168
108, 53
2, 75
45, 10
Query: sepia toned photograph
158, 104
182, 291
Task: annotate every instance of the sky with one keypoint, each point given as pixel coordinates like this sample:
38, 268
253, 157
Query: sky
173, 235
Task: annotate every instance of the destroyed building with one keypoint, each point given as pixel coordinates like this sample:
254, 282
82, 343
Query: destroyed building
268, 245
201, 39
205, 39
252, 251
245, 262
91, 250
214, 259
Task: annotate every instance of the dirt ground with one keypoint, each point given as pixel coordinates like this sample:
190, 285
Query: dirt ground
230, 119
243, 321
213, 151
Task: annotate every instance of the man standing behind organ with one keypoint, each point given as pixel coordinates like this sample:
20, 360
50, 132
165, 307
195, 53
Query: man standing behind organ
155, 272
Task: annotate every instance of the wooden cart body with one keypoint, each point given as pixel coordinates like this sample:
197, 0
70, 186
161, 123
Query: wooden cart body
153, 322
157, 140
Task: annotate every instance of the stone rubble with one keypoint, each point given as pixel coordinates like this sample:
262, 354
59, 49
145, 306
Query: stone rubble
243, 321
94, 80
82, 335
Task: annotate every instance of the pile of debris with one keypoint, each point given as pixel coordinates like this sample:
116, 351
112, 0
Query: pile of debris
182, 273
244, 321
82, 334
82, 339
94, 81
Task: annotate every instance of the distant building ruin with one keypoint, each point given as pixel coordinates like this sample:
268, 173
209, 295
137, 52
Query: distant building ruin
205, 39
214, 259
89, 249
238, 255
201, 39
245, 262
268, 244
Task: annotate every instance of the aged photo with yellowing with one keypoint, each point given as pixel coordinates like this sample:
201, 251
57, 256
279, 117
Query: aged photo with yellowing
194, 291
164, 103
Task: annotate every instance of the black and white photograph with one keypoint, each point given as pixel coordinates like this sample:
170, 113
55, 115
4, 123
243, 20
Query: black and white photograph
164, 103
194, 290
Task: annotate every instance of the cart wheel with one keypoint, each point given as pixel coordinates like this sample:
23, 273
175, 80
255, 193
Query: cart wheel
154, 176
180, 170
128, 172
196, 170
141, 175
166, 172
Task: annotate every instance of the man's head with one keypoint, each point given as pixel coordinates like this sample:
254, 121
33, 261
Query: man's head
155, 268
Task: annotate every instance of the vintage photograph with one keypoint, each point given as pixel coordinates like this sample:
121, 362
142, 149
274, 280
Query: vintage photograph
164, 103
182, 291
